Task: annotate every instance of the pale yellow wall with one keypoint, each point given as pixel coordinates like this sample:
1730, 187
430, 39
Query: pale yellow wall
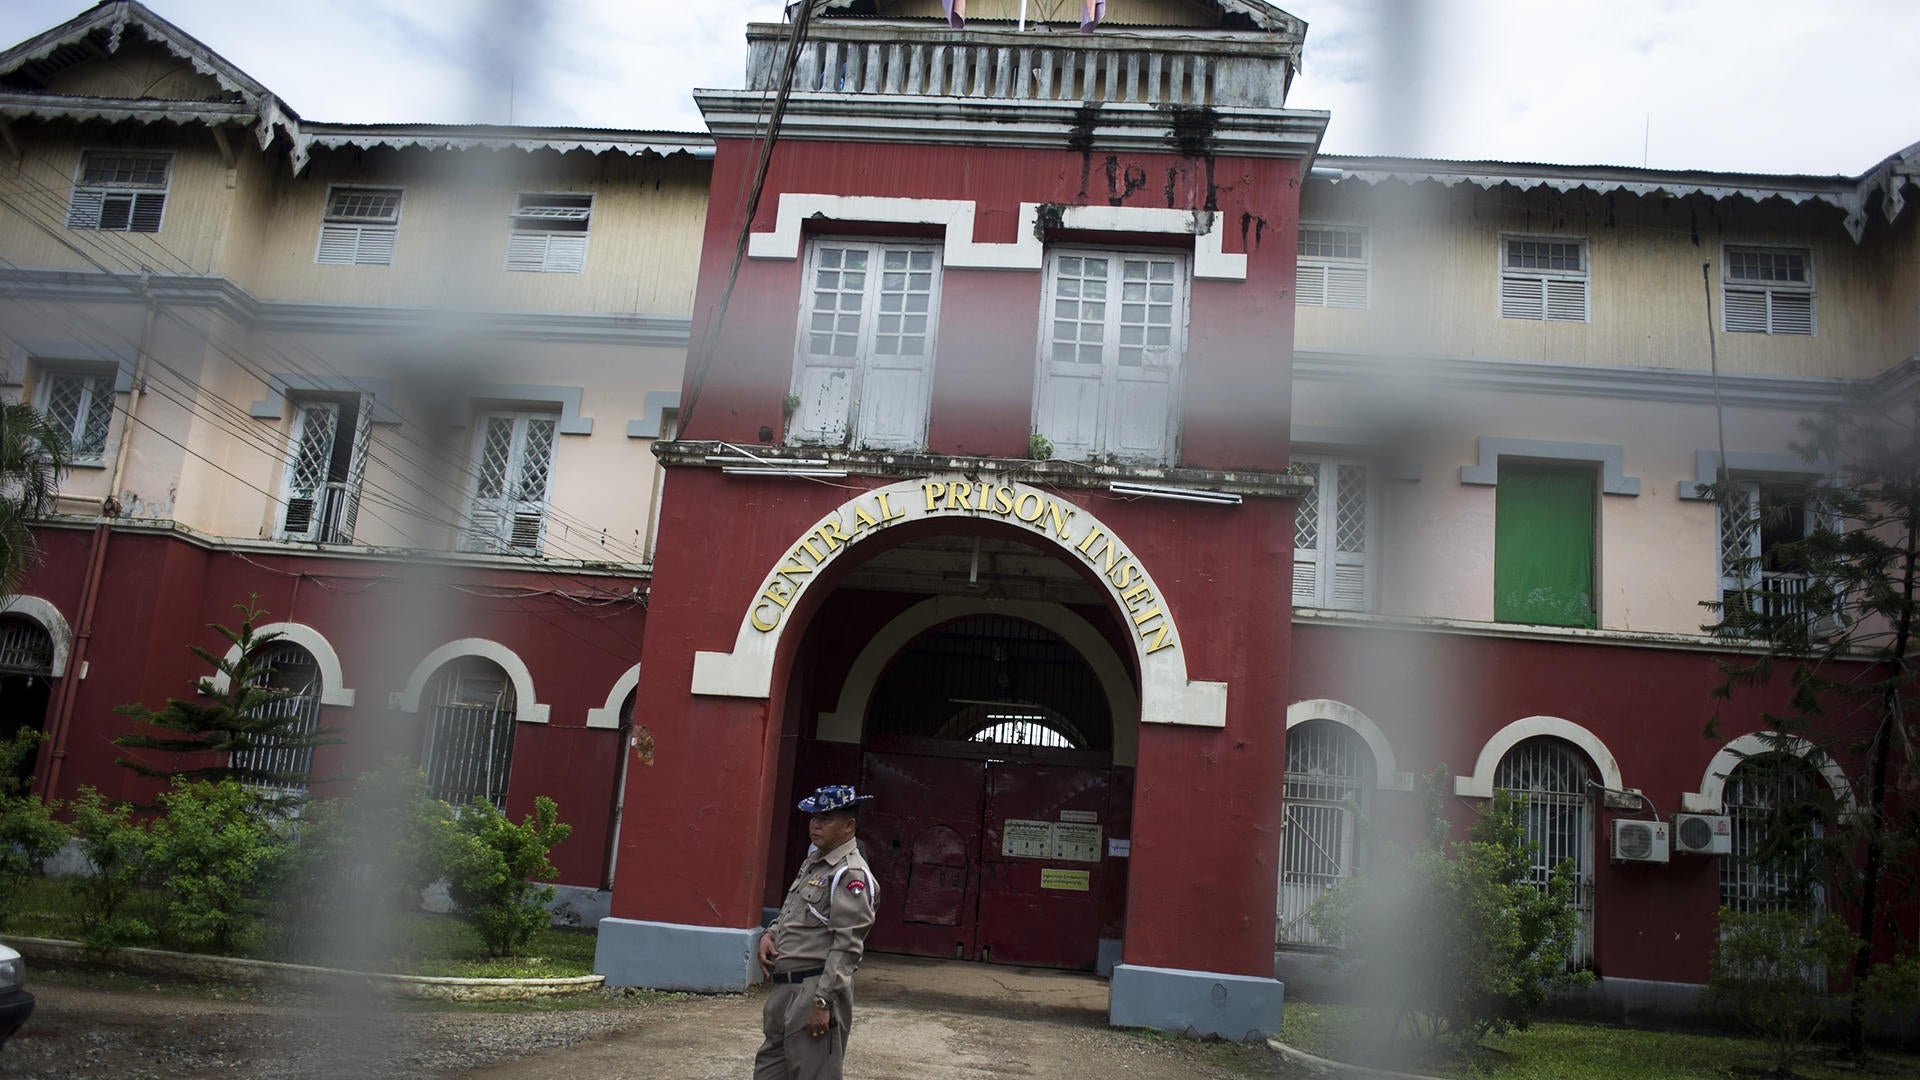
33, 201
1435, 279
643, 249
1658, 552
136, 70
1134, 12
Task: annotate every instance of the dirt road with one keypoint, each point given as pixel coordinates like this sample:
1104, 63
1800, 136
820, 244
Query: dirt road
919, 1019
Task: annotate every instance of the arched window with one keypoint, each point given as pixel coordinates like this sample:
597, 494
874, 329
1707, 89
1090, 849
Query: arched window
1765, 793
286, 666
1329, 772
26, 681
469, 744
1550, 778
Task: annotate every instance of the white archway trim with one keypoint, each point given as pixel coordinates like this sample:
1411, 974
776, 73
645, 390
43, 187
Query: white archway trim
608, 716
1480, 784
1386, 770
846, 723
1167, 696
1711, 798
50, 620
526, 711
333, 689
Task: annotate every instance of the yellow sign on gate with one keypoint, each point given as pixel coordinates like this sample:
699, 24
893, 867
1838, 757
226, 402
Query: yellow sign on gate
1075, 880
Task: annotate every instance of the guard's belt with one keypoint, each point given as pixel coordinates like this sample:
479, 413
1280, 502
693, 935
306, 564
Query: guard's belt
795, 976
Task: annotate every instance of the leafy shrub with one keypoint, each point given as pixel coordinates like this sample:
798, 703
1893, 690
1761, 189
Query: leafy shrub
216, 851
491, 867
115, 845
380, 845
1039, 447
1769, 972
1475, 946
28, 833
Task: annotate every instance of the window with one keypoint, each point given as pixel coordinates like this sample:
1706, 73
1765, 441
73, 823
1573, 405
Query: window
512, 478
468, 751
548, 234
80, 404
326, 462
1756, 522
1764, 793
1328, 773
1333, 269
118, 191
1543, 279
1767, 291
360, 227
865, 367
1543, 545
1332, 538
1549, 778
1112, 348
288, 668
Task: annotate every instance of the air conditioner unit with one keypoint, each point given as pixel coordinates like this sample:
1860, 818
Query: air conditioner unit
1703, 834
1636, 840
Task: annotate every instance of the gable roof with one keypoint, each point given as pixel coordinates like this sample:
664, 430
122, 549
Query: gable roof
101, 29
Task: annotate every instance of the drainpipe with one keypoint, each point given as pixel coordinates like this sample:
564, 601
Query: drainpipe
54, 757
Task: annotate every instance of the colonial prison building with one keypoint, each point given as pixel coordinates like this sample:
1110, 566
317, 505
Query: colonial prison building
1131, 497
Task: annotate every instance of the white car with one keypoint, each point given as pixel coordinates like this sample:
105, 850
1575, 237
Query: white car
15, 1003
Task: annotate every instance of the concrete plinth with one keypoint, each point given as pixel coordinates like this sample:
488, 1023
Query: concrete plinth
1239, 1007
674, 956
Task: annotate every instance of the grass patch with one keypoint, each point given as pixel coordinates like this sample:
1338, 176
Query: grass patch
1564, 1051
428, 944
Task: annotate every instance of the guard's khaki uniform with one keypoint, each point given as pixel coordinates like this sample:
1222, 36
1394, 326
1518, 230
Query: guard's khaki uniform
822, 925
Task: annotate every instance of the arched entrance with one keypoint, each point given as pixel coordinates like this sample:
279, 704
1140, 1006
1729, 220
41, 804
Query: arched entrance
985, 703
26, 682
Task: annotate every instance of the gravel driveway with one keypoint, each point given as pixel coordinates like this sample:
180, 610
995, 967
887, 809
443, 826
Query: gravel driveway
926, 1019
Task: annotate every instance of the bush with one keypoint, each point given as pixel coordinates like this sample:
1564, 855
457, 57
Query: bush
28, 833
380, 846
1474, 945
491, 869
1769, 972
116, 849
216, 851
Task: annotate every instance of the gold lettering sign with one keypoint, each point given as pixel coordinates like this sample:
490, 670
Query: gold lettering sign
1044, 513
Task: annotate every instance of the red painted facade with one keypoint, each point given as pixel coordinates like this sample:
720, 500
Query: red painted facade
159, 593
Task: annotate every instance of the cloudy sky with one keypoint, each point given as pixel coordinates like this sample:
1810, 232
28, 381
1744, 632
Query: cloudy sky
1760, 85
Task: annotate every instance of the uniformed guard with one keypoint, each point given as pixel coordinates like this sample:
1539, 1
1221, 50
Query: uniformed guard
813, 947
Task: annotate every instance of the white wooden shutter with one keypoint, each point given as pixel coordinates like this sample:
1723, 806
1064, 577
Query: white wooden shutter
148, 207
566, 255
1790, 313
488, 514
304, 483
1745, 311
1346, 536
895, 378
356, 245
83, 209
1146, 369
1348, 286
1068, 408
1739, 538
830, 343
1306, 539
526, 252
534, 471
512, 482
1566, 300
1310, 285
349, 519
1522, 298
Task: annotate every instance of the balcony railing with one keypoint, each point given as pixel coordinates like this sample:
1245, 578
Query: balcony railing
868, 57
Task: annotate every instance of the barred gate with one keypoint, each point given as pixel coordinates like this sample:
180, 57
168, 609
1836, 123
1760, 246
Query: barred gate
25, 647
1754, 792
469, 741
1326, 779
286, 666
1549, 777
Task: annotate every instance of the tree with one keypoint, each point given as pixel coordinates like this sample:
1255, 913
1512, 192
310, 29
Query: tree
491, 868
1837, 608
245, 721
1764, 972
1473, 944
33, 453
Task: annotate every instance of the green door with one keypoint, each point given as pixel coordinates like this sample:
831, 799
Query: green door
1543, 545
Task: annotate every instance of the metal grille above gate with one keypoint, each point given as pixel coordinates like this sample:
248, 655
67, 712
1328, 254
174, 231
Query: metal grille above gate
1328, 771
25, 647
993, 678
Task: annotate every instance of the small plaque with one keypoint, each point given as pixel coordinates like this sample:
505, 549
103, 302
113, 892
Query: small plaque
1071, 880
1119, 849
1080, 817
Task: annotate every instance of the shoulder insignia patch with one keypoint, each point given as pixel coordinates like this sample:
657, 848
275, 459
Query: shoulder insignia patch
856, 886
